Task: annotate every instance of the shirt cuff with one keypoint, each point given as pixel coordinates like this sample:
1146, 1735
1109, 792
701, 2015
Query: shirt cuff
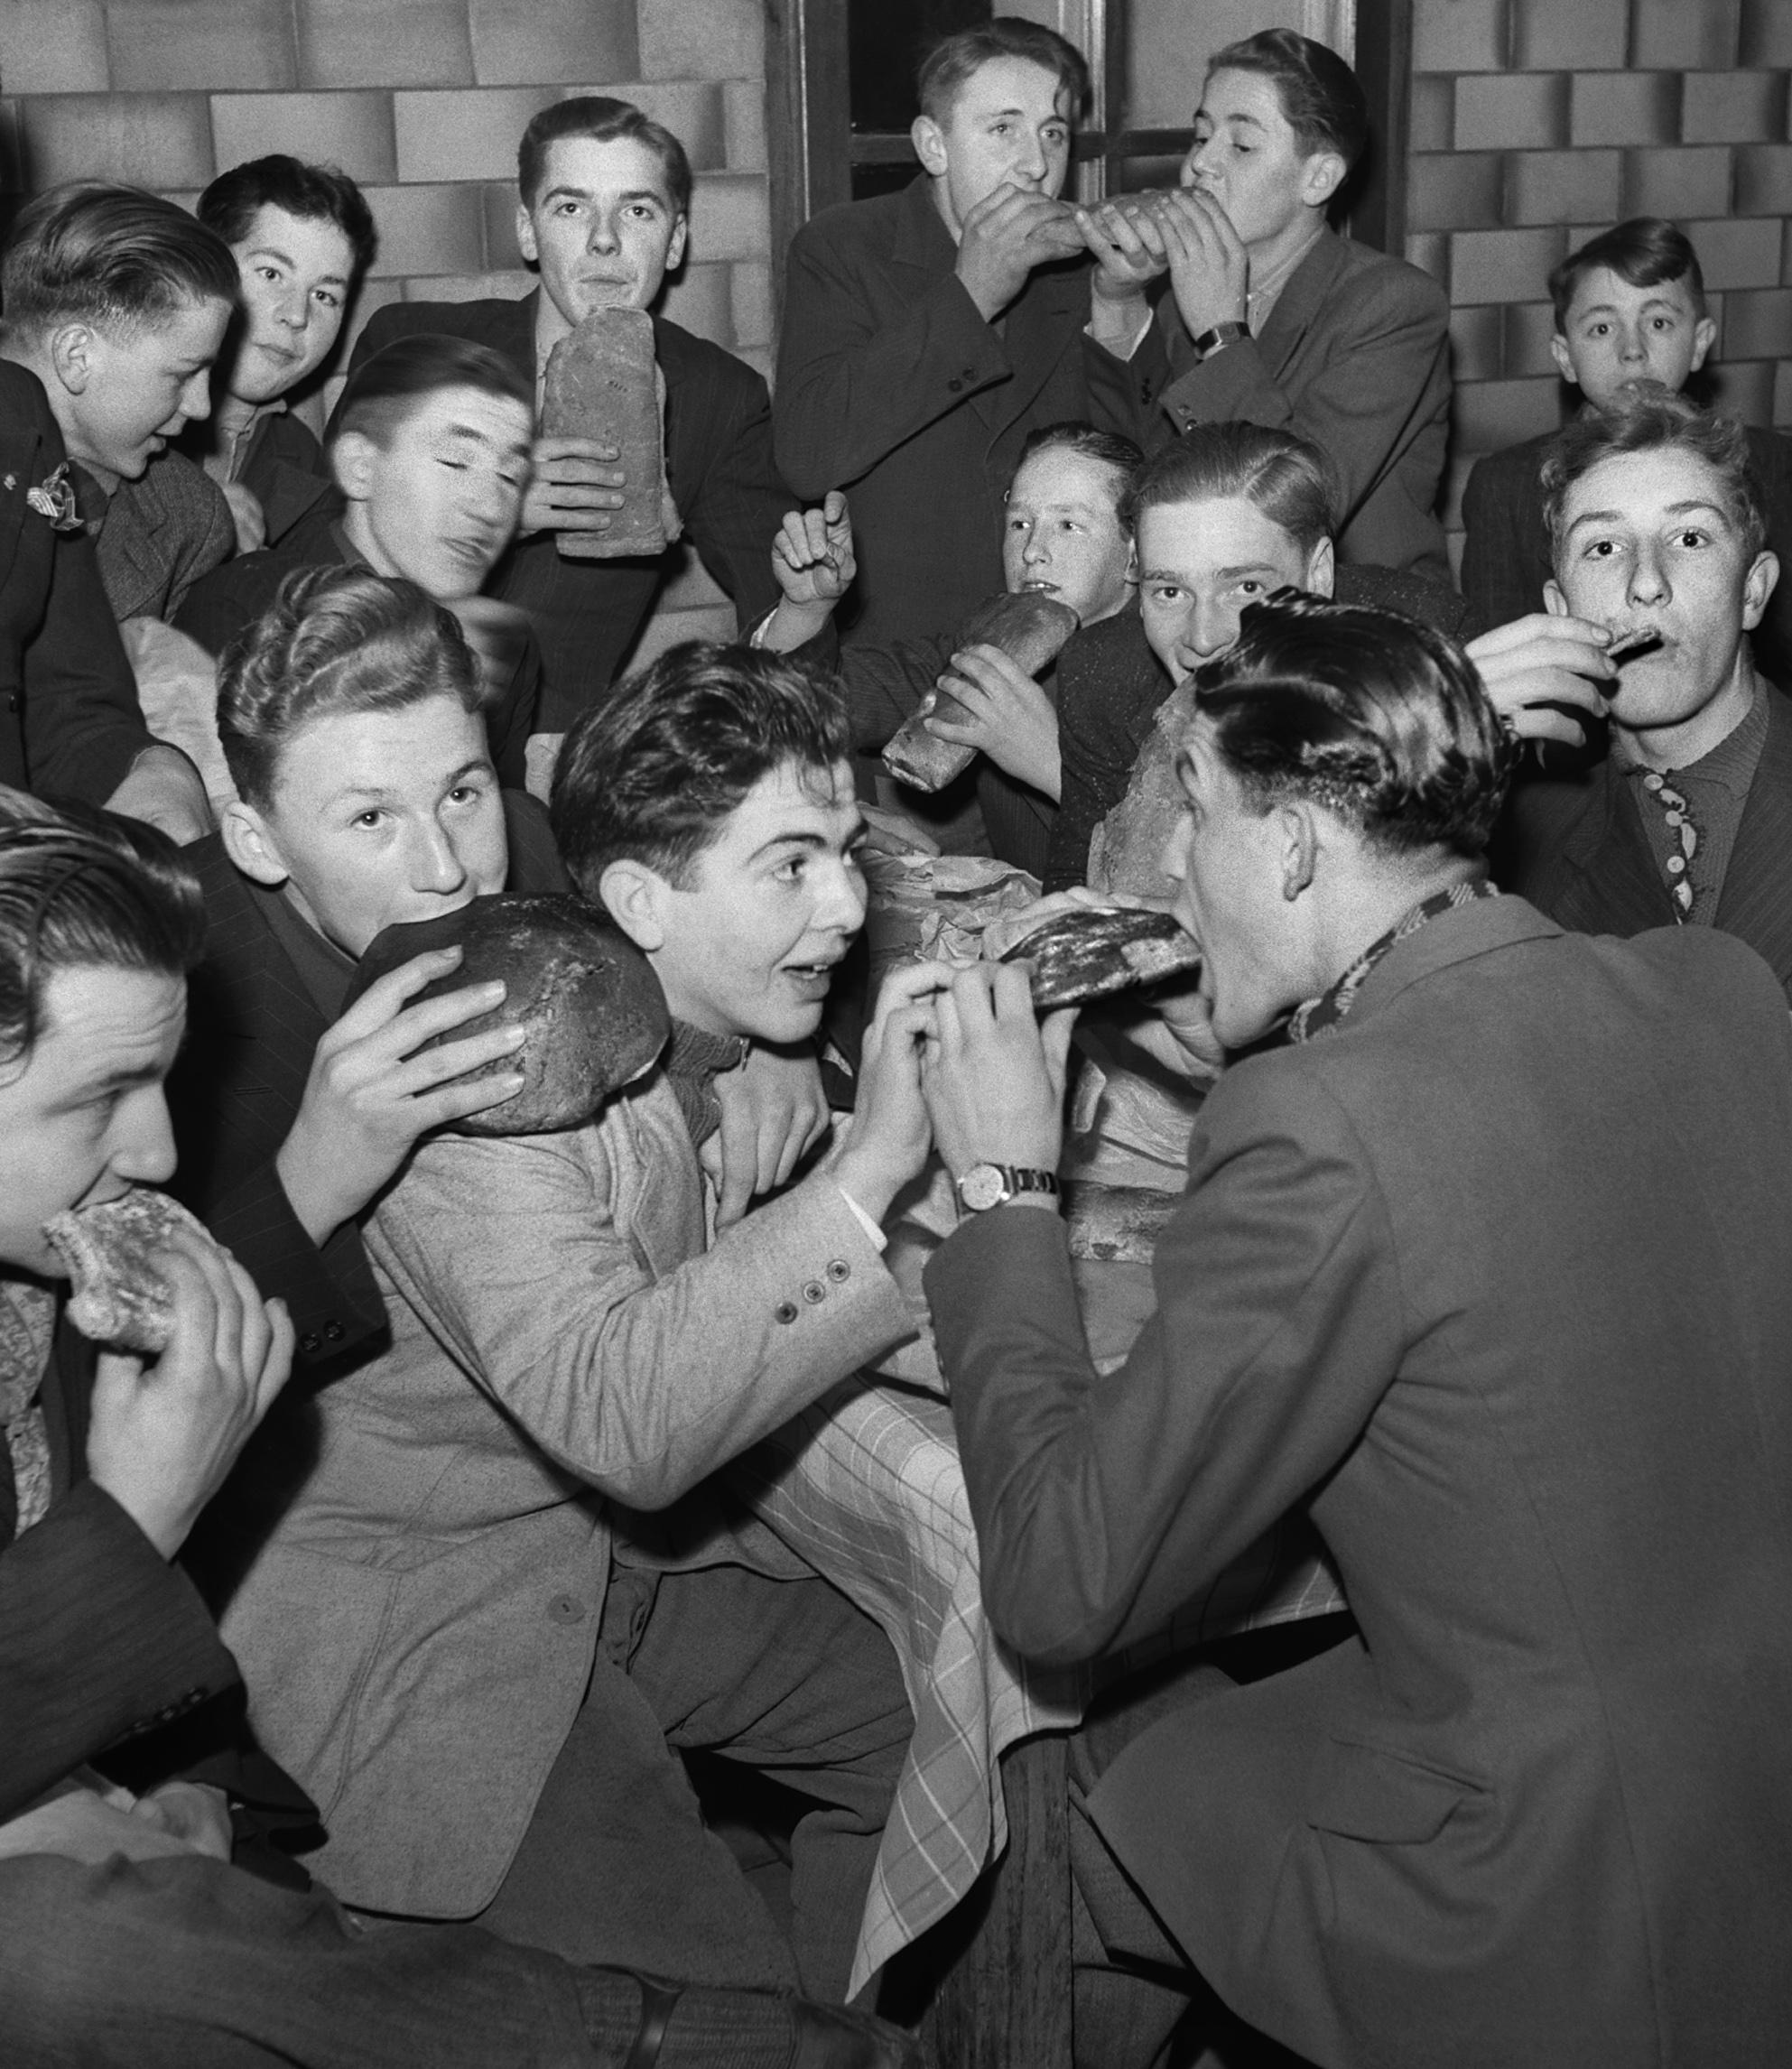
1138, 339
880, 1241
756, 637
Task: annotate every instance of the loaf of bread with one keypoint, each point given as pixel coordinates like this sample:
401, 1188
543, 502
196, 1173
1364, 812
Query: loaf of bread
593, 1008
1090, 954
118, 1297
1031, 630
602, 382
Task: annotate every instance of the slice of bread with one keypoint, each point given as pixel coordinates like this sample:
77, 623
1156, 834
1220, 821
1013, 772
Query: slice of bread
1080, 956
1031, 630
119, 1298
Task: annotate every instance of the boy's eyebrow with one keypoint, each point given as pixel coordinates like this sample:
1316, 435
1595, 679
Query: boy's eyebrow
291, 265
808, 837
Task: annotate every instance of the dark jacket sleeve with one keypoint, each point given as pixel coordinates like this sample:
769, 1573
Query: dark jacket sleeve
101, 1640
1096, 752
83, 726
1276, 1330
1505, 549
739, 498
853, 384
886, 686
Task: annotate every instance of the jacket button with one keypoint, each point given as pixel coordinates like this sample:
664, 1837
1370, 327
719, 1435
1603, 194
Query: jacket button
815, 1293
311, 1343
786, 1311
839, 1270
566, 1609
955, 385
332, 1332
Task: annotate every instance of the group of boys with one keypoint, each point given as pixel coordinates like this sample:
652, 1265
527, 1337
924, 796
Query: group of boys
1455, 1279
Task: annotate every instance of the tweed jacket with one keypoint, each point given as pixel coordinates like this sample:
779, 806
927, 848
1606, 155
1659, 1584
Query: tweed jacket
1111, 685
1496, 1281
420, 1628
1575, 846
159, 535
69, 725
1506, 543
1355, 357
719, 467
892, 386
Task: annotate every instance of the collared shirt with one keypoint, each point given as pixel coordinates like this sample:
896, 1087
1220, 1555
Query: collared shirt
225, 460
1321, 1015
1267, 291
1715, 788
324, 970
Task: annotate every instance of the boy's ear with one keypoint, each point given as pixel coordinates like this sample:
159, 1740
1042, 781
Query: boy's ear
250, 844
69, 351
1553, 601
1564, 365
674, 251
1322, 568
1705, 335
1758, 586
930, 145
1321, 176
633, 896
351, 460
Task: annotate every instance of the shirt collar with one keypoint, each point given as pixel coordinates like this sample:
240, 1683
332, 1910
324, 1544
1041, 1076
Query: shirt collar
1322, 1015
1731, 764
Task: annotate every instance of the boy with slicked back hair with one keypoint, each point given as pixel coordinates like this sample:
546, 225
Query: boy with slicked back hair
1630, 319
574, 1341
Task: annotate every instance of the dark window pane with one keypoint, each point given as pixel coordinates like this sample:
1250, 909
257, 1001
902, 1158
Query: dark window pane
1137, 173
885, 39
868, 180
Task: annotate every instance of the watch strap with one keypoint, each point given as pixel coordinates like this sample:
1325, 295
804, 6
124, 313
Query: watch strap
1218, 338
1011, 1180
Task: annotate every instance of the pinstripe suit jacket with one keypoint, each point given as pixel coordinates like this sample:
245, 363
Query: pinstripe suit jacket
718, 465
1574, 846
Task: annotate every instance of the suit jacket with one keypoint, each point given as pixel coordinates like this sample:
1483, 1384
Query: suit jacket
1506, 551
252, 1031
719, 466
420, 1630
102, 1642
1355, 357
892, 386
69, 725
233, 596
1110, 686
1575, 846
1498, 1282
159, 535
286, 468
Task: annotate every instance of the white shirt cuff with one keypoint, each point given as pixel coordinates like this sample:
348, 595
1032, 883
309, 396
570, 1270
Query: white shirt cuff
1138, 339
880, 1241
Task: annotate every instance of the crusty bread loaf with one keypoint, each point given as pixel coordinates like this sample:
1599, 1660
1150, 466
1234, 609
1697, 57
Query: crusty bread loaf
1031, 630
118, 1297
1084, 955
602, 382
595, 1014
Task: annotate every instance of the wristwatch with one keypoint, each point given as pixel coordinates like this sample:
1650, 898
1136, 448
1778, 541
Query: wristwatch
986, 1186
1218, 338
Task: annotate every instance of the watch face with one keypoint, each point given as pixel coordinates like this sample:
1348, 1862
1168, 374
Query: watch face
983, 1186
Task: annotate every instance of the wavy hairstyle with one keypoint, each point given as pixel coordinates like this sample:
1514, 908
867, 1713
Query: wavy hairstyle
1657, 423
1365, 712
333, 640
385, 389
80, 889
1120, 455
1285, 477
947, 67
1646, 251
650, 773
312, 193
91, 252
603, 120
1322, 100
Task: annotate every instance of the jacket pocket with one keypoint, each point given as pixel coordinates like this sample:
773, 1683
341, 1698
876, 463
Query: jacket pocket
1370, 1792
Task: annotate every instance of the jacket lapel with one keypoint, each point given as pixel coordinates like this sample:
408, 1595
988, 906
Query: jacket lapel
1756, 901
1608, 879
20, 449
1040, 328
1300, 302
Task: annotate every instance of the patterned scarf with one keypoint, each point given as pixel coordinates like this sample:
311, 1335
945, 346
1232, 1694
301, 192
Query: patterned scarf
1322, 1015
27, 1325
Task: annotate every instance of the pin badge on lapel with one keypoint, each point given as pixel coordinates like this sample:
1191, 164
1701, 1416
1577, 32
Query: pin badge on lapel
54, 498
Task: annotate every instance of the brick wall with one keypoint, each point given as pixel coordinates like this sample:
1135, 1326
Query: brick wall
422, 101
1536, 122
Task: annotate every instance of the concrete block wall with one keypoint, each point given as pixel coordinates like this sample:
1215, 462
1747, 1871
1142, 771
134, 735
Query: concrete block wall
422, 102
1537, 123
